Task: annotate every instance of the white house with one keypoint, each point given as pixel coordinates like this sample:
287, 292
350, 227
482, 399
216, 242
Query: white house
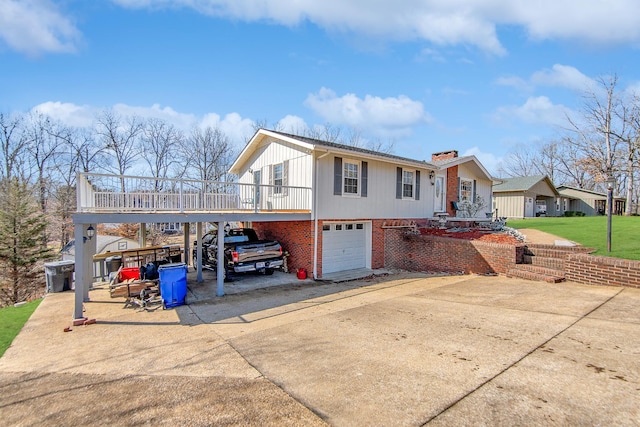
355, 193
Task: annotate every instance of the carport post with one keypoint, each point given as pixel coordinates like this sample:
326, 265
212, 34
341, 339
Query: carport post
220, 269
85, 249
199, 250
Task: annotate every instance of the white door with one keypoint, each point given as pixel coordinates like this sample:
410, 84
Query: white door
343, 247
528, 207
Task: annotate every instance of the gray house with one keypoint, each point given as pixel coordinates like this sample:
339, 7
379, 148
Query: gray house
525, 197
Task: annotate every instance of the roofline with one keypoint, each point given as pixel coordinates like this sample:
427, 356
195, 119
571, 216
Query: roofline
584, 191
456, 161
543, 178
312, 144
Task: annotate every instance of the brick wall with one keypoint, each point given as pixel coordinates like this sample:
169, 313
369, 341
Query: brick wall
437, 254
296, 237
452, 189
600, 270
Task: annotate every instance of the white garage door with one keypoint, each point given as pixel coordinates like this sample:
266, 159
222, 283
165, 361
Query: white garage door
343, 247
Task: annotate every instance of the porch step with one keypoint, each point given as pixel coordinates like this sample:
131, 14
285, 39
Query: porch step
533, 272
553, 251
547, 262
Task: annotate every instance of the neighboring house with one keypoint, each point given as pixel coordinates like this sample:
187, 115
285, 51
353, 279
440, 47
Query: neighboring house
104, 244
587, 201
525, 197
355, 194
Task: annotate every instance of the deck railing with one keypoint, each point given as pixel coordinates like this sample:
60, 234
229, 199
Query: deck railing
116, 193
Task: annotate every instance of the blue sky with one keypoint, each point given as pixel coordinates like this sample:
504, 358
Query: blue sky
430, 75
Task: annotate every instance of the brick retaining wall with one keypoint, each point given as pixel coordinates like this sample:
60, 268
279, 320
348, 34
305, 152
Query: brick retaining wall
601, 270
440, 254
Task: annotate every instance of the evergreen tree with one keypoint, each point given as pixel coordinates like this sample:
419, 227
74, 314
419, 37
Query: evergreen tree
21, 249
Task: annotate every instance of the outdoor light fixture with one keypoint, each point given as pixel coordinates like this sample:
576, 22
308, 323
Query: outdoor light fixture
90, 233
432, 177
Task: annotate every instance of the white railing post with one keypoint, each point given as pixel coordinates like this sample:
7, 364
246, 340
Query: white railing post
181, 195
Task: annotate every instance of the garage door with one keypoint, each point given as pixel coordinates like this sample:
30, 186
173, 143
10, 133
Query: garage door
343, 247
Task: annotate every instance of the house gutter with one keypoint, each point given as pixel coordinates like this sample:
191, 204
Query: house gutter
315, 212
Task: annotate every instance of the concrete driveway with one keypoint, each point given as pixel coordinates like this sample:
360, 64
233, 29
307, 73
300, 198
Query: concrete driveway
401, 350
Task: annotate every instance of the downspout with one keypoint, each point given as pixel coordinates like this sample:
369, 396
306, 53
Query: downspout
314, 211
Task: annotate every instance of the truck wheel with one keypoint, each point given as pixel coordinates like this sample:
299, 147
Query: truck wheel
268, 271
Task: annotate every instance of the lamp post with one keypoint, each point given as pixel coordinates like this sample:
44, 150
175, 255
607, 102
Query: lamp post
610, 184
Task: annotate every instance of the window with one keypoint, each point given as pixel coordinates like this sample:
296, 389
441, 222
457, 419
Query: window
278, 178
407, 184
350, 177
466, 190
348, 226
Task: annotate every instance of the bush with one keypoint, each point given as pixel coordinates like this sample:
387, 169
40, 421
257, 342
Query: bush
574, 213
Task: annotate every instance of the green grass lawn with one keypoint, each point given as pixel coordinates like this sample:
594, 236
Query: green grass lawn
12, 319
591, 231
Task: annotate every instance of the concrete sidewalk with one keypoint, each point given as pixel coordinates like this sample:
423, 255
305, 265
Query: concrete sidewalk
401, 350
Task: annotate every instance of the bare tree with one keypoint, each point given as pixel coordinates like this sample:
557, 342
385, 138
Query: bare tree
160, 143
120, 137
207, 155
597, 133
523, 160
13, 146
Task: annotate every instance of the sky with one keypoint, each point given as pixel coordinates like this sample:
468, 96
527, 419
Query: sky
481, 77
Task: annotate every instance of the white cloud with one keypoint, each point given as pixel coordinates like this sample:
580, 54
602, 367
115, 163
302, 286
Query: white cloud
488, 160
293, 124
515, 82
238, 129
36, 26
441, 22
536, 111
78, 116
384, 116
563, 76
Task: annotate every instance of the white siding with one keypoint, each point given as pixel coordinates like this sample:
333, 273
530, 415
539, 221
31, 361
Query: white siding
381, 199
510, 205
483, 188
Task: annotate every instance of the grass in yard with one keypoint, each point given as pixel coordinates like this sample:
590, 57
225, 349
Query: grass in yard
591, 231
12, 319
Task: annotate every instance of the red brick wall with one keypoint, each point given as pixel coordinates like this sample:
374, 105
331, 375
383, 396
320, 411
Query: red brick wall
600, 270
452, 189
296, 237
437, 254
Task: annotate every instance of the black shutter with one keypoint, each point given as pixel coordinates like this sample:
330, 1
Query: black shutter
365, 171
337, 176
473, 195
398, 183
417, 185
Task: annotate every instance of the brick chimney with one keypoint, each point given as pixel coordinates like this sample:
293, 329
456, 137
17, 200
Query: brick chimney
444, 155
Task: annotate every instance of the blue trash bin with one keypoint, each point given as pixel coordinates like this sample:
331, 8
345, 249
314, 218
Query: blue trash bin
173, 284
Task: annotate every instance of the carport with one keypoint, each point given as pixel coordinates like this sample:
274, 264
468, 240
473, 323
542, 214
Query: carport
112, 199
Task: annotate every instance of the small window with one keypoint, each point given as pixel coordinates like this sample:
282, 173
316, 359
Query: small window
407, 184
350, 173
359, 226
326, 227
348, 226
338, 227
466, 190
278, 178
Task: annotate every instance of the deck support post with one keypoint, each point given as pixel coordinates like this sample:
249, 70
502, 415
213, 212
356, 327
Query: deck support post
220, 269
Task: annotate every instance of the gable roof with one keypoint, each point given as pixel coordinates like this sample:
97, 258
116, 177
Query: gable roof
313, 144
447, 163
316, 144
522, 183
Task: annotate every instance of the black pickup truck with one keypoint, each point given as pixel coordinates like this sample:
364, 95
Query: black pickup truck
243, 252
